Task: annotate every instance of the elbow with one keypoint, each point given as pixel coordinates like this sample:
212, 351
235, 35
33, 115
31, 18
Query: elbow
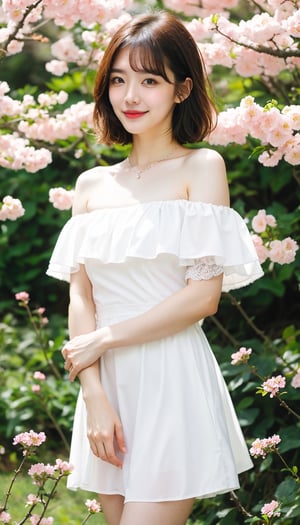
211, 306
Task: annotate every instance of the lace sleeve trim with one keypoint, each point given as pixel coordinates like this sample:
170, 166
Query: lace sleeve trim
204, 269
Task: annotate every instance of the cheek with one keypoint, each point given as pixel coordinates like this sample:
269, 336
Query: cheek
113, 96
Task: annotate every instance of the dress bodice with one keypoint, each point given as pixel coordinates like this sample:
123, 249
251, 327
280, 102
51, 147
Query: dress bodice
185, 230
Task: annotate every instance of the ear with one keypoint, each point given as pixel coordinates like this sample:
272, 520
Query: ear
184, 90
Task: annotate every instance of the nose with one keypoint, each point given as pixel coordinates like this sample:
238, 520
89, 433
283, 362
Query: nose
132, 94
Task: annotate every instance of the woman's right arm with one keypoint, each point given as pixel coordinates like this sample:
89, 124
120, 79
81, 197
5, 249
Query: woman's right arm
104, 425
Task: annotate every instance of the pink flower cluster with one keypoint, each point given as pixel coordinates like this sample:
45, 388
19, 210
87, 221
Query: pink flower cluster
17, 154
271, 509
67, 14
262, 447
40, 472
277, 130
23, 297
273, 385
61, 198
250, 45
93, 506
11, 209
278, 251
29, 439
33, 119
242, 356
5, 517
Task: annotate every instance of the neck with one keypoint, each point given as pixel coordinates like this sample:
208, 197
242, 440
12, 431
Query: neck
144, 153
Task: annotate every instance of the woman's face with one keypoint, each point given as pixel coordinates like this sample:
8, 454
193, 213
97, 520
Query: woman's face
143, 102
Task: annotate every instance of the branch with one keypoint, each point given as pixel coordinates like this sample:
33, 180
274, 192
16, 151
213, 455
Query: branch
224, 331
248, 319
280, 53
18, 27
238, 504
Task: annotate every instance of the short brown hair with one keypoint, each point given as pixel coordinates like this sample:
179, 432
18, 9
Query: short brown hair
157, 40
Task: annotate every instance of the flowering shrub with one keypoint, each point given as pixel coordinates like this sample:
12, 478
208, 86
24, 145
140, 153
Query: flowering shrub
45, 478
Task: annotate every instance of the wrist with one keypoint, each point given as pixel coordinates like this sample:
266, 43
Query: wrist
105, 339
92, 392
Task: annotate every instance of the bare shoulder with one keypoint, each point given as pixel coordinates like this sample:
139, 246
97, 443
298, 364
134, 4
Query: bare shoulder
206, 177
86, 182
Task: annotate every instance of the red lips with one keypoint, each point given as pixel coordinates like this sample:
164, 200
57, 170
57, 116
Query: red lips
134, 114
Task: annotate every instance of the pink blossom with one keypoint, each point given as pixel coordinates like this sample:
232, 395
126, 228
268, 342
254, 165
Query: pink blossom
14, 47
65, 49
23, 297
40, 310
51, 99
292, 112
40, 472
280, 134
62, 199
39, 375
29, 439
271, 509
262, 220
296, 380
4, 88
93, 506
57, 67
35, 388
247, 63
283, 252
270, 158
32, 499
36, 520
5, 517
261, 250
262, 447
11, 209
242, 356
273, 385
63, 466
292, 150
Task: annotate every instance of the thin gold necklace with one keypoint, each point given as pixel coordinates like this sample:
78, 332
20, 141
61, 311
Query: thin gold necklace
139, 171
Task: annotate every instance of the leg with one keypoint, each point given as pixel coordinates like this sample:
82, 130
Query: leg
162, 513
112, 506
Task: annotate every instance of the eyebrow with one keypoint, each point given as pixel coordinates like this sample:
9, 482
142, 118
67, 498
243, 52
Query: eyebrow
117, 70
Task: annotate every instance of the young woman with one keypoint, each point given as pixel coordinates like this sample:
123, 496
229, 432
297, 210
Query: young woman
151, 244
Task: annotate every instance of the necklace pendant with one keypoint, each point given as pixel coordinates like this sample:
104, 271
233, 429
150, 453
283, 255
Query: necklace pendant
138, 175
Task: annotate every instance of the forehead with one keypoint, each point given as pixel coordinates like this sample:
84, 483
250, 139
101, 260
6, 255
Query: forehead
142, 59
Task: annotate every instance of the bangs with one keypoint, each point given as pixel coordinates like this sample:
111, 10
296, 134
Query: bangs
146, 55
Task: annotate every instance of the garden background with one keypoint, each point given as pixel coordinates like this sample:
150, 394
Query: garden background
49, 53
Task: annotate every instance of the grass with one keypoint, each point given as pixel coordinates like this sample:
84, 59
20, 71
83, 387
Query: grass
67, 507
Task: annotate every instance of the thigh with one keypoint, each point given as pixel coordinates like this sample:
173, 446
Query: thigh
157, 513
112, 507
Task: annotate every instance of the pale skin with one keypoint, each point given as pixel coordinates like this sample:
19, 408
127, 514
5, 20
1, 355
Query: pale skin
197, 175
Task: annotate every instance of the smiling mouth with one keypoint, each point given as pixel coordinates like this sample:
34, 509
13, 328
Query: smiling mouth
134, 114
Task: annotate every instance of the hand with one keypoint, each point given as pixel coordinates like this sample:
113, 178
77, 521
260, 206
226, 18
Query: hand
105, 432
82, 351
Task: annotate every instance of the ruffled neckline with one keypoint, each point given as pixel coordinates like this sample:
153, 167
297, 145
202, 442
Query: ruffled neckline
188, 230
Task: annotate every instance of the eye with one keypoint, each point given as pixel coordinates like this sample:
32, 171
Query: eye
116, 80
150, 81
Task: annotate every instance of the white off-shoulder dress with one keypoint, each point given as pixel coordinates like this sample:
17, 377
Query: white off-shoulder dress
182, 434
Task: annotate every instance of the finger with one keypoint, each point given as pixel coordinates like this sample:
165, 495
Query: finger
120, 438
73, 373
111, 456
